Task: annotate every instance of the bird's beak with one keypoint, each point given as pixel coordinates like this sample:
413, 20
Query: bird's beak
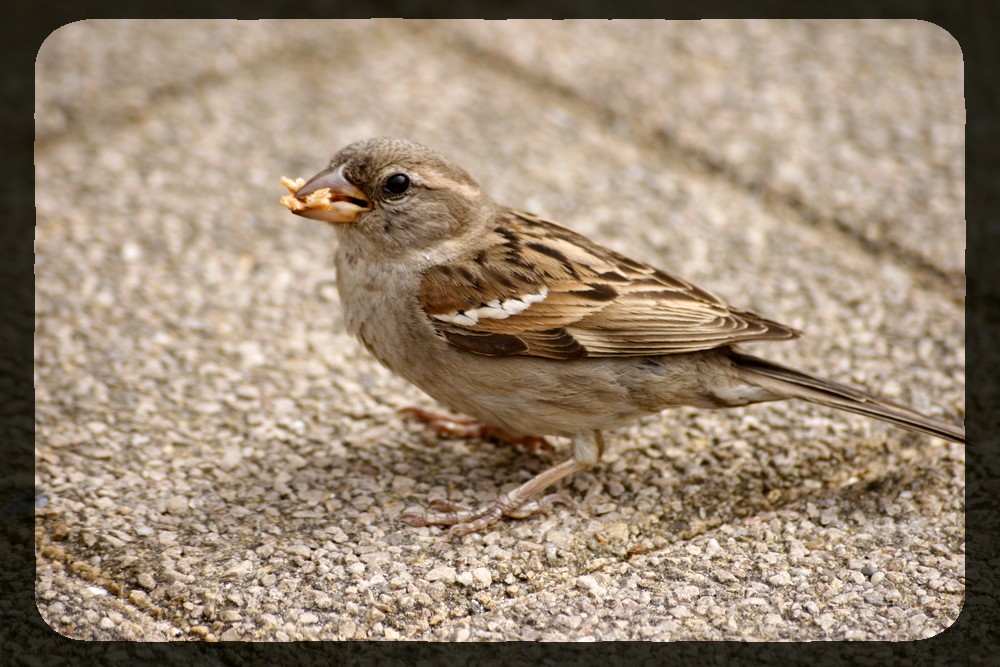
330, 197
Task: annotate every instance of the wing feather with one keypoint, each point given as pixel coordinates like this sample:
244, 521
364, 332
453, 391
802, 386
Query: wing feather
537, 289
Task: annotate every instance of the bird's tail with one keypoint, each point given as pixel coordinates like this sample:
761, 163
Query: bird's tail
786, 381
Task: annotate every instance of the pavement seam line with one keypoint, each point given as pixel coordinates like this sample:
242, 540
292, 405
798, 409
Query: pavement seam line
667, 148
169, 91
76, 565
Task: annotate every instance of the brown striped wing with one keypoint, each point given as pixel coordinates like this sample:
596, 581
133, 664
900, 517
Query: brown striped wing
537, 289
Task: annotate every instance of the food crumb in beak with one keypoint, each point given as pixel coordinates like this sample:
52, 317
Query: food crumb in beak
320, 199
293, 186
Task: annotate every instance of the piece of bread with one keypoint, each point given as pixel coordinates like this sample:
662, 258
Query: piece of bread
319, 199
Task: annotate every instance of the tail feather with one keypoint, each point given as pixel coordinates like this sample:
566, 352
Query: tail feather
786, 381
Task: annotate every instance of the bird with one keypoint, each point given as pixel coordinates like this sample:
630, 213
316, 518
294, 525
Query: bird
531, 329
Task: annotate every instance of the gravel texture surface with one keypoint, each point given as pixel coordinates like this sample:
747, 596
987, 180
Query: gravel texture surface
218, 460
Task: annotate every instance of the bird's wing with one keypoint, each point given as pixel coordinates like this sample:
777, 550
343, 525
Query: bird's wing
537, 289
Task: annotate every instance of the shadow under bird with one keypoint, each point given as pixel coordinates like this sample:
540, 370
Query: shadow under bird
532, 329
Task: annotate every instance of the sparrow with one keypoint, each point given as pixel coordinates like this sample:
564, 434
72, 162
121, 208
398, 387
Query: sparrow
530, 328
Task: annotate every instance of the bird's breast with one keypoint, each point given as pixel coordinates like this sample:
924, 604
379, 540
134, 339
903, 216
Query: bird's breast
381, 308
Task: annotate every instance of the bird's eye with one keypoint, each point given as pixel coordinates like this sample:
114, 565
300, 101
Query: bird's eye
397, 184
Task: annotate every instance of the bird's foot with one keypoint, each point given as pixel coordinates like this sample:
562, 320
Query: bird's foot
468, 427
517, 503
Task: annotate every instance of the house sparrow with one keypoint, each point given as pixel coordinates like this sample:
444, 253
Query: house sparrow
529, 327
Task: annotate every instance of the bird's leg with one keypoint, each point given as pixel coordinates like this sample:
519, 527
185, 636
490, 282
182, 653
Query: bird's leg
468, 427
517, 503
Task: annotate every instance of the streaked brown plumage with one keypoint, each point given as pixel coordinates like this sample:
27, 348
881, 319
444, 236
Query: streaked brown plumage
530, 327
598, 304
